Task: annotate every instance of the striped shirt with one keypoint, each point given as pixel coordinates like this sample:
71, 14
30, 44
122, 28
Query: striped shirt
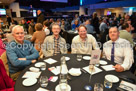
56, 46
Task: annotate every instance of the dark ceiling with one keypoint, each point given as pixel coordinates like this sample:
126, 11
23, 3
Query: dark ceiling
47, 5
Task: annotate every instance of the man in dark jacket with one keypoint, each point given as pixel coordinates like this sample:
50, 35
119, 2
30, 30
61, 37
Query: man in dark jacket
40, 17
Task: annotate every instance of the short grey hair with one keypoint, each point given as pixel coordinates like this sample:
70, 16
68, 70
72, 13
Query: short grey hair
16, 26
55, 24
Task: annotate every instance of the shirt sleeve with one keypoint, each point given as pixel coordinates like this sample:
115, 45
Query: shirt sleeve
128, 57
14, 59
34, 53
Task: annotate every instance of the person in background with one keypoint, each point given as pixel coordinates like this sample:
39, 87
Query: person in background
2, 47
31, 27
83, 43
40, 17
118, 50
9, 36
90, 28
125, 33
14, 22
24, 24
63, 25
54, 44
8, 19
38, 36
46, 27
20, 53
2, 35
75, 25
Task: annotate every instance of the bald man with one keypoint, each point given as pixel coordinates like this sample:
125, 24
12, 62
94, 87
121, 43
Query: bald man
20, 52
118, 50
40, 17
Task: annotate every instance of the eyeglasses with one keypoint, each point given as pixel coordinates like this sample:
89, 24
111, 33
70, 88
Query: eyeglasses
56, 28
20, 33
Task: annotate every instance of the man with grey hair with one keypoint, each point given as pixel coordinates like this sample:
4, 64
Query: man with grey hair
54, 44
20, 52
118, 50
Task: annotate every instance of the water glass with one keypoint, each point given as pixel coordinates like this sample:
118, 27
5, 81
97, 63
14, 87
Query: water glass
79, 57
63, 86
98, 87
108, 82
43, 67
43, 81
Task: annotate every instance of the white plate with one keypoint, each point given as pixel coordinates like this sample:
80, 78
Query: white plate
58, 88
103, 62
114, 78
29, 81
34, 69
67, 58
39, 64
75, 71
86, 57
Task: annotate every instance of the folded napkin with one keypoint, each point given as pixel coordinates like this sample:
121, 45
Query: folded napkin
29, 74
127, 86
50, 61
75, 71
54, 70
108, 67
96, 70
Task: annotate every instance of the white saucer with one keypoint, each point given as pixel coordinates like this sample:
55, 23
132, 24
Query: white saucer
29, 81
58, 88
67, 58
34, 69
86, 57
102, 62
114, 78
75, 71
39, 64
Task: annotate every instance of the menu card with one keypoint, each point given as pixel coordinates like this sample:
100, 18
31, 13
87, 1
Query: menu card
50, 61
95, 56
54, 70
108, 67
96, 70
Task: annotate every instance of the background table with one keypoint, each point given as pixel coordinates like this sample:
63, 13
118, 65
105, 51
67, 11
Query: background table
76, 83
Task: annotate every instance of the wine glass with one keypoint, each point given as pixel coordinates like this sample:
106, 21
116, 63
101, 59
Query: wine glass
91, 69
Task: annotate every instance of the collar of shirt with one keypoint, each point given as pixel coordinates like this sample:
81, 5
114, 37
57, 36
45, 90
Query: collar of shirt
117, 41
55, 38
18, 42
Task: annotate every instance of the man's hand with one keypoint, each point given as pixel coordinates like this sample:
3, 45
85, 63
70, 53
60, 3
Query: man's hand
33, 61
21, 58
118, 68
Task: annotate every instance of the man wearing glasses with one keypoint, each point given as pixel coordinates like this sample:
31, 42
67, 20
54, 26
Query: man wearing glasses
20, 52
54, 44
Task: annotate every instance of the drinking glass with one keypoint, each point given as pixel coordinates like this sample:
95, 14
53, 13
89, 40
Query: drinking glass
43, 81
63, 86
43, 67
107, 82
98, 87
79, 57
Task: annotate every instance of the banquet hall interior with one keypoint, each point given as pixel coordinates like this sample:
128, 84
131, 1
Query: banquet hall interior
41, 38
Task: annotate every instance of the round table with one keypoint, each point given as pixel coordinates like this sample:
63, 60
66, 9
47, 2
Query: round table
76, 83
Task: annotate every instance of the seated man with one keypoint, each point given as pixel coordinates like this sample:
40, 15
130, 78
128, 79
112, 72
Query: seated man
118, 50
125, 33
83, 42
20, 52
54, 44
